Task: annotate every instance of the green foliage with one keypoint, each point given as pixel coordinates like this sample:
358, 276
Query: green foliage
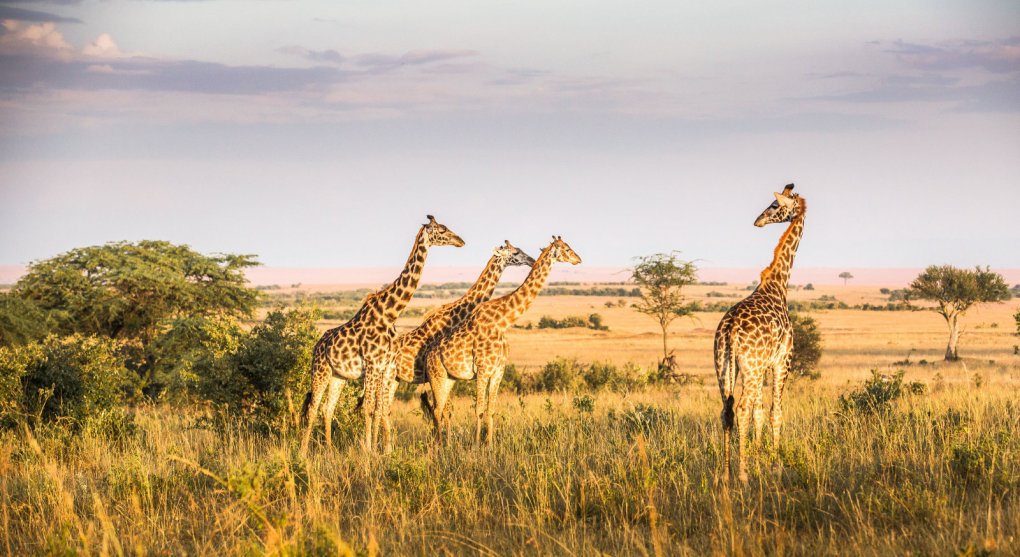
876, 395
956, 290
21, 320
593, 321
561, 374
585, 404
807, 346
1016, 317
262, 379
128, 290
190, 345
73, 380
662, 278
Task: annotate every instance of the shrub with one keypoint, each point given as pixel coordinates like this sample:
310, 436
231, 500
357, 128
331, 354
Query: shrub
807, 347
75, 379
262, 380
593, 321
21, 320
190, 345
561, 374
584, 404
1016, 316
876, 395
809, 286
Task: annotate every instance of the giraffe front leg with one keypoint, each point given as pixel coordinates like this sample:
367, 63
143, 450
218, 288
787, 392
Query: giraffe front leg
391, 392
759, 419
368, 410
497, 377
481, 387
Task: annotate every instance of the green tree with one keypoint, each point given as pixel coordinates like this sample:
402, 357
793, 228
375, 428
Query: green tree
807, 346
954, 291
846, 275
1016, 317
136, 291
662, 278
21, 321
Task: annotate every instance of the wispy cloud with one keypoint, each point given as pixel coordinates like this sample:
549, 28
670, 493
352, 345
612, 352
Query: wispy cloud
33, 16
328, 56
1001, 56
380, 61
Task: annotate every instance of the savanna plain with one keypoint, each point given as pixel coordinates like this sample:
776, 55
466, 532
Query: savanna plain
928, 464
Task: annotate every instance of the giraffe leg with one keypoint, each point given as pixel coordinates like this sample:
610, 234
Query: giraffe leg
336, 386
727, 437
490, 400
387, 405
320, 381
441, 387
759, 419
743, 422
778, 384
481, 388
368, 409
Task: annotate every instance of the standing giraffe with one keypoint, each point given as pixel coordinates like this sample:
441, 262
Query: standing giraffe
478, 349
755, 337
410, 364
363, 347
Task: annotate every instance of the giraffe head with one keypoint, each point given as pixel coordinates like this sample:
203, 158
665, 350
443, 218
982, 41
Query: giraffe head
785, 208
510, 255
439, 235
562, 252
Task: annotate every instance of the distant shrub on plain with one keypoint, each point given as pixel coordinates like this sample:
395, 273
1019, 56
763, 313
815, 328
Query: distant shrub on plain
593, 321
877, 394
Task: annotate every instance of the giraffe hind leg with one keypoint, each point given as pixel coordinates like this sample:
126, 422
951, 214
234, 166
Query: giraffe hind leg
320, 381
336, 386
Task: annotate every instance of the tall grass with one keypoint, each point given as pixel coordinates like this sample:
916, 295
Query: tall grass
636, 474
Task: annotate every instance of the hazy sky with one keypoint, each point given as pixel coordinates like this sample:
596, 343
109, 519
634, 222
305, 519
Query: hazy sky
319, 134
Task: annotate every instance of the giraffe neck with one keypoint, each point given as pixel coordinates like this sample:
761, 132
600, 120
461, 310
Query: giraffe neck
393, 298
518, 301
483, 288
776, 277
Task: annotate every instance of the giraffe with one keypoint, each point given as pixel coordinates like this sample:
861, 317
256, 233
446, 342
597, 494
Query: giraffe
363, 347
755, 337
477, 349
409, 359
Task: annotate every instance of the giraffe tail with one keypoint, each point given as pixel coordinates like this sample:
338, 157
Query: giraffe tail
306, 407
426, 407
726, 369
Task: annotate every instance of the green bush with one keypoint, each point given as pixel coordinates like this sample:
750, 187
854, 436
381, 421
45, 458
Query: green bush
561, 374
593, 321
21, 320
876, 395
807, 347
264, 380
191, 344
74, 380
1016, 316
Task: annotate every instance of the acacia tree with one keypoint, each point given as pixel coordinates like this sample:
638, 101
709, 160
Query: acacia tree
662, 278
846, 275
954, 291
136, 292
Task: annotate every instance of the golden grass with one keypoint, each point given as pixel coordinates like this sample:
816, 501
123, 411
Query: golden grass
938, 474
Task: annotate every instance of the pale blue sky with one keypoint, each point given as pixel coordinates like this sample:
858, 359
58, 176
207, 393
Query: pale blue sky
319, 134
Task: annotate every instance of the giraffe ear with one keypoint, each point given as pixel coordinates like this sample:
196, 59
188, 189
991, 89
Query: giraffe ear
783, 200
787, 189
508, 243
431, 219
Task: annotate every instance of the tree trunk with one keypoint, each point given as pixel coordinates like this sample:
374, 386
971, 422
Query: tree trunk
954, 338
665, 350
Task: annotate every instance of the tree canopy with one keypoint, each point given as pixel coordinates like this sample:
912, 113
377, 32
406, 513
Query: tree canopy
662, 278
954, 291
129, 290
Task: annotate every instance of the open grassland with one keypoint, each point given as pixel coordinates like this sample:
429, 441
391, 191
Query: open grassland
635, 473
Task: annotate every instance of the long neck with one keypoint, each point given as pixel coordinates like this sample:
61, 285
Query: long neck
394, 297
483, 288
776, 277
518, 301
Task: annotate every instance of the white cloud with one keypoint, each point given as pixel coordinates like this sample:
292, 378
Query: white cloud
38, 38
103, 47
